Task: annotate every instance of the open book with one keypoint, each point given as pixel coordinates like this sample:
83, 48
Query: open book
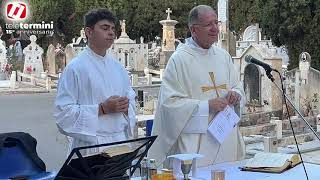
271, 162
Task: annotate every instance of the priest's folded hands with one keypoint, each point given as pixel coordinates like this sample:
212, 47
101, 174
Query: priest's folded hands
233, 98
218, 104
115, 104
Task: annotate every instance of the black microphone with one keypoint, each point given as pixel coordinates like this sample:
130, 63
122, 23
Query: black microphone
250, 59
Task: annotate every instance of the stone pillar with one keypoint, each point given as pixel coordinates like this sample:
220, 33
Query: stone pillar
297, 90
257, 33
149, 79
270, 144
318, 122
134, 79
48, 84
226, 39
168, 39
168, 36
155, 105
164, 58
161, 73
13, 80
275, 120
32, 79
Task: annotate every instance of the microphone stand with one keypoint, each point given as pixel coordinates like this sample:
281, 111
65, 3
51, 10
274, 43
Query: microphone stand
286, 98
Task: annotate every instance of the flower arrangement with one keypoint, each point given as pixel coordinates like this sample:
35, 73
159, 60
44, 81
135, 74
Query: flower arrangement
29, 69
6, 68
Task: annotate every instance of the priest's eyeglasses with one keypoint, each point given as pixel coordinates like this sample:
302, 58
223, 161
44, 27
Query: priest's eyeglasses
210, 24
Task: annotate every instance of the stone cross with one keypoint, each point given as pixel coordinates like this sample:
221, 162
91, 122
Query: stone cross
168, 11
214, 87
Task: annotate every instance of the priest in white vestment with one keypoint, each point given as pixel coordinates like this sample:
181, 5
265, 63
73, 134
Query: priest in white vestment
199, 81
95, 103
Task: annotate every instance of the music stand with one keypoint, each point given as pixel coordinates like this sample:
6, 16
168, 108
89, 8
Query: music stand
101, 166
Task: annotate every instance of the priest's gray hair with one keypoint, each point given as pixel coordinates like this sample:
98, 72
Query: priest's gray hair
194, 13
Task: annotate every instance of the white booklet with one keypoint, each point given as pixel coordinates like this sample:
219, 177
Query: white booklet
223, 123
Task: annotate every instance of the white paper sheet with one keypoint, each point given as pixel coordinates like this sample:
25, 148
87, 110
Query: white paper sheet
223, 123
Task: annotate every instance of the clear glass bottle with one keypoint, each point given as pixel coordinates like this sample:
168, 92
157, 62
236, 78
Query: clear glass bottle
144, 168
152, 168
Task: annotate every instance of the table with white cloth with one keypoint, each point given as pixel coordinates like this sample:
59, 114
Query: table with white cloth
233, 172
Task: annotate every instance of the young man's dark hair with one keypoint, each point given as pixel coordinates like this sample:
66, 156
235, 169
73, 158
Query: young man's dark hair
95, 15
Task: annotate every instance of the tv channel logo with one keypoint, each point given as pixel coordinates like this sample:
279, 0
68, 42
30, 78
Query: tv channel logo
16, 10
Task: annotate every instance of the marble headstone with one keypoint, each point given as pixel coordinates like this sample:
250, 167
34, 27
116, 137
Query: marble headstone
70, 53
33, 57
51, 59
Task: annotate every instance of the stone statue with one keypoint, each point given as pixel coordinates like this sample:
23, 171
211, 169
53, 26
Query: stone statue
123, 26
82, 33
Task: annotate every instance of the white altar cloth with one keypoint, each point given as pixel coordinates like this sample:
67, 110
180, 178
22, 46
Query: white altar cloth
232, 172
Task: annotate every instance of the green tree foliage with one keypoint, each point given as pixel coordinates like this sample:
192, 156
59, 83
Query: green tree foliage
294, 24
83, 6
67, 16
242, 14
58, 11
143, 16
